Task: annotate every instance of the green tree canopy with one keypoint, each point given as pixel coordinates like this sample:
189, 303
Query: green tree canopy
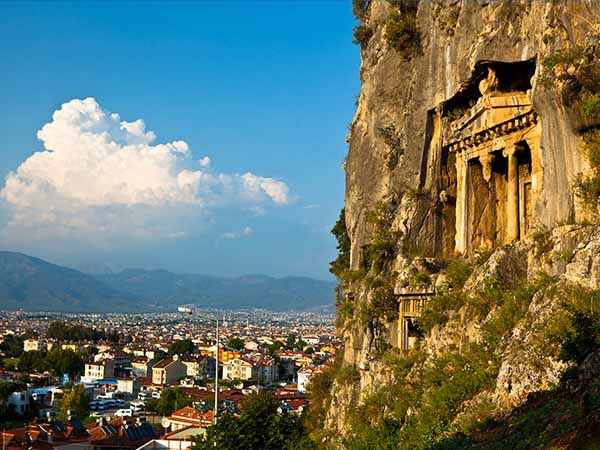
67, 332
172, 399
272, 348
260, 427
57, 361
181, 347
12, 346
342, 262
75, 400
8, 387
235, 342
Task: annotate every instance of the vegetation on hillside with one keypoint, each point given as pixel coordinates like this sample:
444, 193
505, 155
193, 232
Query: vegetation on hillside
444, 401
56, 361
77, 333
259, 426
401, 31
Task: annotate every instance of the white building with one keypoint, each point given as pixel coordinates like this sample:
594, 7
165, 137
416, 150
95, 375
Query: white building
305, 374
239, 369
99, 370
19, 402
33, 345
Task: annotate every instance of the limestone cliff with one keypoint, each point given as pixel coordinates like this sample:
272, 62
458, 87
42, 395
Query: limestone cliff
463, 155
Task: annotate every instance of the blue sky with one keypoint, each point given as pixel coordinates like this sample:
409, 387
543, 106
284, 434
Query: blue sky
265, 88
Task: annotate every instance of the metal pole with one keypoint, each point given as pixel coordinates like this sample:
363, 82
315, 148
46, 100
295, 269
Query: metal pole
215, 409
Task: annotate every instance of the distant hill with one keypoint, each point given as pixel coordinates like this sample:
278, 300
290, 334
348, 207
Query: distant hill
249, 291
33, 284
36, 285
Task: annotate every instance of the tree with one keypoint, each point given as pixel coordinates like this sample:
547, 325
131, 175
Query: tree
171, 400
181, 347
272, 348
75, 400
236, 342
66, 332
57, 361
8, 387
260, 427
12, 346
342, 262
290, 342
65, 361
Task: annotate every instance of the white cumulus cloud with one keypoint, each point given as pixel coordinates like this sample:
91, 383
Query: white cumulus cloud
99, 173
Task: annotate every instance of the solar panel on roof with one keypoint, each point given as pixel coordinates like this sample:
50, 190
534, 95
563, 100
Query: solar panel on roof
109, 429
77, 425
133, 433
147, 430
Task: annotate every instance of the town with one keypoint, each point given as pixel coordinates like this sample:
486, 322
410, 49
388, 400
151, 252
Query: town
148, 380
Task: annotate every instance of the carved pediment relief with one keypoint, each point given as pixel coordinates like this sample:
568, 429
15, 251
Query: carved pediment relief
490, 111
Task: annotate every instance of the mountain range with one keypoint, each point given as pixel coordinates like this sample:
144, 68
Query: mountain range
33, 284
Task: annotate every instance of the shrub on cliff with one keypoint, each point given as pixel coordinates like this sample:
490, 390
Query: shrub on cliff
588, 187
362, 35
342, 262
401, 32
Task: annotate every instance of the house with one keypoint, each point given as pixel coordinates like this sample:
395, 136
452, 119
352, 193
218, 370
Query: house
72, 346
99, 370
142, 366
168, 371
199, 366
129, 385
120, 433
225, 354
240, 369
185, 417
268, 370
33, 345
19, 401
305, 374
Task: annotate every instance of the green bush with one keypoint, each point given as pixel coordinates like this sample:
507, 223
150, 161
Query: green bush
341, 264
384, 303
438, 308
360, 9
384, 240
581, 336
458, 271
588, 187
362, 35
563, 56
591, 107
401, 32
433, 392
393, 141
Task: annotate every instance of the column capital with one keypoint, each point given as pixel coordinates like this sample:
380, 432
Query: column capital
509, 151
486, 161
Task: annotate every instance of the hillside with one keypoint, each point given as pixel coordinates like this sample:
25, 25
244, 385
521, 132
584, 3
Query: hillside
249, 291
35, 285
469, 274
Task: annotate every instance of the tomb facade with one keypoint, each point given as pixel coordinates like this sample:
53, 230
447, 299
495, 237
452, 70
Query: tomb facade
489, 167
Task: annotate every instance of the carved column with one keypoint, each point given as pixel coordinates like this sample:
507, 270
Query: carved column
512, 198
486, 162
461, 202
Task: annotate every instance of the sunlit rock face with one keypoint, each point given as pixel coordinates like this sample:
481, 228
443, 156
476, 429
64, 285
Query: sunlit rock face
472, 142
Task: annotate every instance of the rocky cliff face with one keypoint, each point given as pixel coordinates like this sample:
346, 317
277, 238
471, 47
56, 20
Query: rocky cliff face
426, 67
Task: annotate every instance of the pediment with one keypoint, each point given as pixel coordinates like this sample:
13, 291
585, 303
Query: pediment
489, 112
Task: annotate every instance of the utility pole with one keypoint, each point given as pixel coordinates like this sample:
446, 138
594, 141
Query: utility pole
216, 408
